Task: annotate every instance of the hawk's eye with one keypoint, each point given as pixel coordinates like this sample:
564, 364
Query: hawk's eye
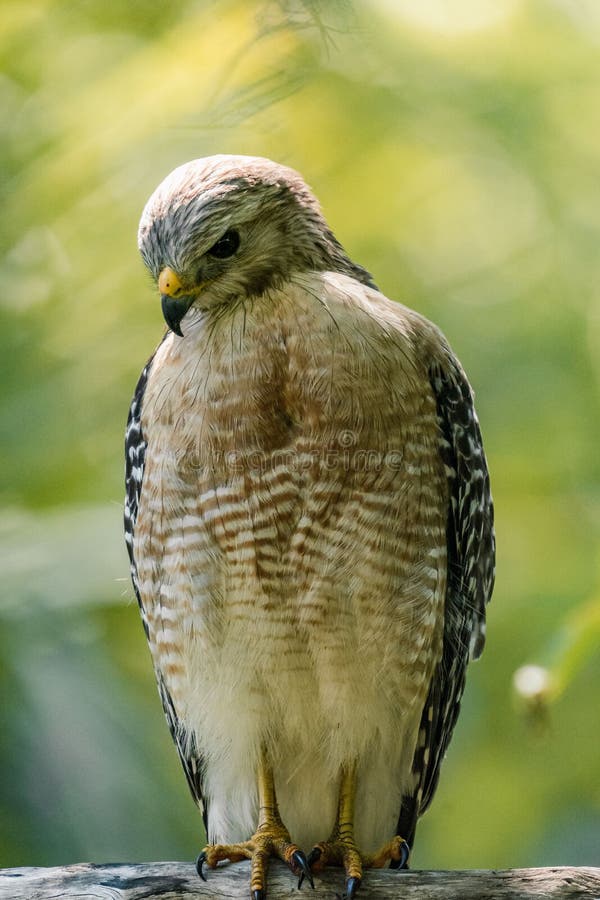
226, 245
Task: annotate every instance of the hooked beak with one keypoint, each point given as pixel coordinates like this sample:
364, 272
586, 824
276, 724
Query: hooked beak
173, 310
174, 302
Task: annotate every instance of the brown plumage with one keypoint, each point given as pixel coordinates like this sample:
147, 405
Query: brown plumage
308, 518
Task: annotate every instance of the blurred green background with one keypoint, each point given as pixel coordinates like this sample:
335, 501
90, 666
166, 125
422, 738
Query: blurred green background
456, 150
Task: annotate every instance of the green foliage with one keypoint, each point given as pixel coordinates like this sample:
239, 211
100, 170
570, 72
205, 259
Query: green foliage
457, 157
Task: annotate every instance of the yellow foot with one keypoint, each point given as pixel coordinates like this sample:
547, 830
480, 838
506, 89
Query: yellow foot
270, 839
341, 850
395, 851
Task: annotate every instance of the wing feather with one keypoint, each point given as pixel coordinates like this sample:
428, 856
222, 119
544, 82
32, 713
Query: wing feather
135, 454
470, 579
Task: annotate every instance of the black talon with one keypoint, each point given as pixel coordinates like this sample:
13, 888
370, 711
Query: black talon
199, 863
301, 862
405, 854
352, 885
314, 856
258, 895
402, 863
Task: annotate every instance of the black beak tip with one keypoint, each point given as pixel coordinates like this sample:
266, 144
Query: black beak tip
174, 310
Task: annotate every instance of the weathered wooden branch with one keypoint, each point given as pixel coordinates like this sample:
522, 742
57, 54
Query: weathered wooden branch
179, 881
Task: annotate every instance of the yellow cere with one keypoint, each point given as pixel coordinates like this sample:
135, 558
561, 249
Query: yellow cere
168, 282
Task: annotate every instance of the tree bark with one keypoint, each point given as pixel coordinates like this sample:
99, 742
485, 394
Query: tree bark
179, 881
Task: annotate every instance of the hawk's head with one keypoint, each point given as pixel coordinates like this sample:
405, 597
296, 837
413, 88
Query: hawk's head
228, 227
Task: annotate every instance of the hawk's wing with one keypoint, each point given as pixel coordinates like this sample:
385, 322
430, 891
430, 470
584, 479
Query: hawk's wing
470, 580
135, 453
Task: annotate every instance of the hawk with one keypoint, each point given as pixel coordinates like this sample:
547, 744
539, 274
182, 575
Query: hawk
309, 523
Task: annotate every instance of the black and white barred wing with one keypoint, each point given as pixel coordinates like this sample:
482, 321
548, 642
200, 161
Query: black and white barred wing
470, 579
135, 454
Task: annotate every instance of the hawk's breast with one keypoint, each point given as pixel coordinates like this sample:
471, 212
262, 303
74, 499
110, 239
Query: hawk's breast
293, 531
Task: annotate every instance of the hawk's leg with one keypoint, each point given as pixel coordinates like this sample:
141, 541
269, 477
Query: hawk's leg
271, 838
341, 850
